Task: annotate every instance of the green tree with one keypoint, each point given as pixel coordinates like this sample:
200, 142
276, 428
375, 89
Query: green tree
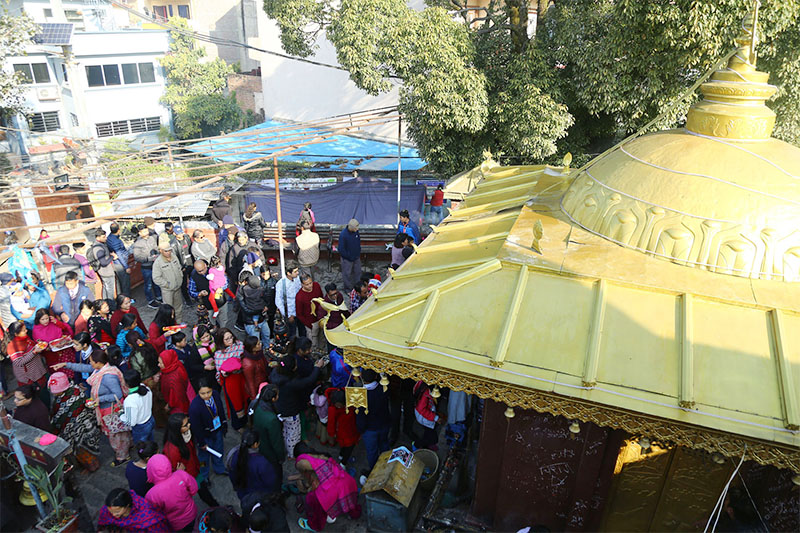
194, 82
15, 34
625, 62
462, 92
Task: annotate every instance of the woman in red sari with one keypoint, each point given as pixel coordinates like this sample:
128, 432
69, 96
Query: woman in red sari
48, 328
25, 355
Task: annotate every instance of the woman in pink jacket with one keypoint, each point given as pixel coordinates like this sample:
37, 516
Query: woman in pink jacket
172, 493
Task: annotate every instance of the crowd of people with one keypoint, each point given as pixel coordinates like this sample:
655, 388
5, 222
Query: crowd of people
89, 369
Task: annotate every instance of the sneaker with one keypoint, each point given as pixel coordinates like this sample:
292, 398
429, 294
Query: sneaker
237, 328
152, 304
215, 315
362, 480
118, 462
159, 301
330, 520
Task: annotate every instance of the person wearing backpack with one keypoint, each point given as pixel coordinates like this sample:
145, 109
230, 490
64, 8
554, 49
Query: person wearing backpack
145, 251
101, 259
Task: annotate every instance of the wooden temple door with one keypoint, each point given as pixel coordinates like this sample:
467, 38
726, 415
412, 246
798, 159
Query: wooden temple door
665, 490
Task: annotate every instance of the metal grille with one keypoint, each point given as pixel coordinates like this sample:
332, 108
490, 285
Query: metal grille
124, 127
44, 122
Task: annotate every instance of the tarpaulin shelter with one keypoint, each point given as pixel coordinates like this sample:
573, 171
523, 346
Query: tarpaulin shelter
341, 152
370, 201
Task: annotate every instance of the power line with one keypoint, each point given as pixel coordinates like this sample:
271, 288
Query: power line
225, 42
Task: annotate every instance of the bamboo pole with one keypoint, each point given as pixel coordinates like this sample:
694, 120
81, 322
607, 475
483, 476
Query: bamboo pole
280, 222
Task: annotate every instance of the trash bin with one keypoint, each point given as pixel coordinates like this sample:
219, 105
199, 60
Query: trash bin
430, 472
393, 499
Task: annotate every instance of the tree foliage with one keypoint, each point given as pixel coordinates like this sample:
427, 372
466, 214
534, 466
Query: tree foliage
195, 88
597, 70
15, 34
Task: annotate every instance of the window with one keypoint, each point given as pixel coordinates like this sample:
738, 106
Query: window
138, 73
64, 72
169, 10
44, 122
183, 11
124, 127
73, 118
33, 72
132, 73
111, 73
160, 12
48, 13
75, 17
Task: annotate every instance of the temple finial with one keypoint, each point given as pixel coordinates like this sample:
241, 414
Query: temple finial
754, 32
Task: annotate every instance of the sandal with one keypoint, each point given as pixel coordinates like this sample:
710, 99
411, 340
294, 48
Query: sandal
303, 523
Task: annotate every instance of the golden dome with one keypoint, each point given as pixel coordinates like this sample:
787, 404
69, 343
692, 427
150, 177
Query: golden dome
719, 194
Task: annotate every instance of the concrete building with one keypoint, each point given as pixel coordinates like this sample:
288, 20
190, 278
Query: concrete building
231, 20
91, 75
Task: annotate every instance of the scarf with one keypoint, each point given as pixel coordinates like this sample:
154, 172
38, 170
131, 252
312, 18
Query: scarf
171, 362
143, 517
97, 377
74, 422
254, 356
20, 346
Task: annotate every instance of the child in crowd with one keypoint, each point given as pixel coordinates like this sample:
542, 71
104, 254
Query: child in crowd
136, 471
342, 423
138, 407
127, 324
320, 403
217, 284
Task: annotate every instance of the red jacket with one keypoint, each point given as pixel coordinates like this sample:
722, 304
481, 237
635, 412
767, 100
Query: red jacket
233, 385
341, 423
255, 373
425, 409
192, 464
303, 305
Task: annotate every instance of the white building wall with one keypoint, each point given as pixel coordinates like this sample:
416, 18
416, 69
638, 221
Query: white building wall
297, 91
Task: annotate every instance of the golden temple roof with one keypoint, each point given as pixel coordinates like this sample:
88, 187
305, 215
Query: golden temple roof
602, 294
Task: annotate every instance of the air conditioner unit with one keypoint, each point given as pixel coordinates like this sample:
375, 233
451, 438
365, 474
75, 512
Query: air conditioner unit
47, 93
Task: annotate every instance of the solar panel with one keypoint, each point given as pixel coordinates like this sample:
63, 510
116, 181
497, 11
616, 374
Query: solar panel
54, 33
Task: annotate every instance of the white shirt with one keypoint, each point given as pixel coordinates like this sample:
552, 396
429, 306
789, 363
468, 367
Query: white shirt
138, 408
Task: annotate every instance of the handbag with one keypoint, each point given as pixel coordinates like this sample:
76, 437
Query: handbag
113, 421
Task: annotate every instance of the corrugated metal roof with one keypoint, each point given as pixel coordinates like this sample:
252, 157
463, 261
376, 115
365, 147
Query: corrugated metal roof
194, 205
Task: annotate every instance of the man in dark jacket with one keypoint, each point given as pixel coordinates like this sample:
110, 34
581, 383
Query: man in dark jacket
104, 261
222, 207
253, 301
66, 263
350, 254
374, 426
122, 267
68, 298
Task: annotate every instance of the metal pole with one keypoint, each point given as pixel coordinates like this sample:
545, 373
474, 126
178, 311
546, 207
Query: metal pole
174, 185
280, 222
399, 159
17, 449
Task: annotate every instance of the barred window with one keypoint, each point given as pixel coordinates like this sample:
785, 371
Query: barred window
124, 127
44, 122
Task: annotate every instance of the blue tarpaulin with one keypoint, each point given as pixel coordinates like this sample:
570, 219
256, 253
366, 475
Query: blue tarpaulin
341, 152
370, 201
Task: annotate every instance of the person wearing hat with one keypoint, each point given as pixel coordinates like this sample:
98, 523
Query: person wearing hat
145, 251
104, 258
168, 276
122, 267
74, 421
181, 248
150, 223
350, 254
409, 227
307, 249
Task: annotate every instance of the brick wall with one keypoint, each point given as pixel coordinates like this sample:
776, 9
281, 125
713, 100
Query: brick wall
248, 91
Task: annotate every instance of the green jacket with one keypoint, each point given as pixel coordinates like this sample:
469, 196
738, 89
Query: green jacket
270, 433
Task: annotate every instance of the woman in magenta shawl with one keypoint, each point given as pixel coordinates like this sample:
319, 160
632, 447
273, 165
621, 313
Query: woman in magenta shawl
48, 328
127, 511
331, 490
